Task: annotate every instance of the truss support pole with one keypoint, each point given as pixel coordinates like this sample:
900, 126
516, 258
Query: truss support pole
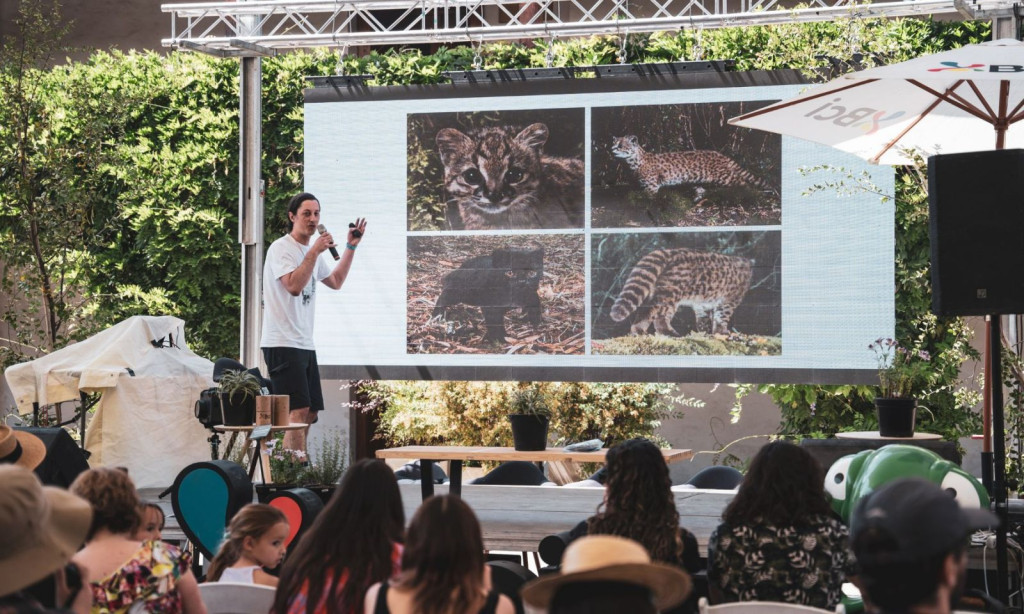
250, 205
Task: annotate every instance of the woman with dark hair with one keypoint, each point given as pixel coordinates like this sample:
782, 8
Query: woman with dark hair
354, 542
443, 567
779, 540
639, 505
121, 571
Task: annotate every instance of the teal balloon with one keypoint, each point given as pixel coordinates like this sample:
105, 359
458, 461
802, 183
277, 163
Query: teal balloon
203, 498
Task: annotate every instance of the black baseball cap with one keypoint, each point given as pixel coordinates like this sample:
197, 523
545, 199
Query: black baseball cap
917, 518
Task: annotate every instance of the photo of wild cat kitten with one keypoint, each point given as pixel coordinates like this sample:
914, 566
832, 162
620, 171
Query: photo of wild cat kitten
496, 294
498, 177
504, 280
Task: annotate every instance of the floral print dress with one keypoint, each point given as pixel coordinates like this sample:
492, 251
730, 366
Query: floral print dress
150, 576
804, 564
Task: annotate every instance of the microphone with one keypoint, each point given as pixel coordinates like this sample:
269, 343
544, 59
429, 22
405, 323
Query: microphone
334, 252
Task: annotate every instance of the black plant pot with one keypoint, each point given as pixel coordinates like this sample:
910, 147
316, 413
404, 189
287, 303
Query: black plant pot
529, 432
896, 416
239, 412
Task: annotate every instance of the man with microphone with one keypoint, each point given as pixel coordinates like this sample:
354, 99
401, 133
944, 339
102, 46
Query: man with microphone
292, 268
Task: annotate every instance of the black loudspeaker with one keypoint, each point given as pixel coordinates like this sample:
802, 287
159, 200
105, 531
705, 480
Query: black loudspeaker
977, 232
64, 458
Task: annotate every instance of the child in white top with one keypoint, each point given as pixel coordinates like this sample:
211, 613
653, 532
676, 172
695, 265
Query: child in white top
256, 538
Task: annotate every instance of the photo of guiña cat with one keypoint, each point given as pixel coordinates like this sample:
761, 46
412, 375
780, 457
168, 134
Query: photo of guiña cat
712, 284
699, 166
504, 280
498, 177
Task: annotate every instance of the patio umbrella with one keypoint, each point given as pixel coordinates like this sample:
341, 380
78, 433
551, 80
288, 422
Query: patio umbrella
966, 99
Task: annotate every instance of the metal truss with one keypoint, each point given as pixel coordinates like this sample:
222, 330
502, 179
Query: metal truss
266, 27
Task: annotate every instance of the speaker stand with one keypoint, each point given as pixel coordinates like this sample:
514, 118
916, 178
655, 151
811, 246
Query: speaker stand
995, 346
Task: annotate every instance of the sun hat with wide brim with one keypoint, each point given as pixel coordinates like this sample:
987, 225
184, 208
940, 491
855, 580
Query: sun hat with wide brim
20, 448
41, 527
614, 559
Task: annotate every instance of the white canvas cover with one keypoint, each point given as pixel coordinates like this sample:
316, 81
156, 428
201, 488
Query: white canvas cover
144, 419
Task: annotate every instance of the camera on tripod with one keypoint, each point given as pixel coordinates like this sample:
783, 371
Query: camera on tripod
208, 410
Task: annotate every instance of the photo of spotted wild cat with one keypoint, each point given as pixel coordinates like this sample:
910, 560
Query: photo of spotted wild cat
504, 280
697, 167
664, 280
498, 177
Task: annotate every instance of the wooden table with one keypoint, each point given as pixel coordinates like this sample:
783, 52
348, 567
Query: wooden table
456, 454
516, 518
917, 436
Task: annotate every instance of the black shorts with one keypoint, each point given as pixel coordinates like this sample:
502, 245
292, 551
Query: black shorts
294, 372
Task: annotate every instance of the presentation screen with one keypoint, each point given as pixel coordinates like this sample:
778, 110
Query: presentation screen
603, 229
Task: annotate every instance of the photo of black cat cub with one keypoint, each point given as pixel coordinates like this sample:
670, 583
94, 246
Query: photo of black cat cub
505, 279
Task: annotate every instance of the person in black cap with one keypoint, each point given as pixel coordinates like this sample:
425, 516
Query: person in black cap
910, 538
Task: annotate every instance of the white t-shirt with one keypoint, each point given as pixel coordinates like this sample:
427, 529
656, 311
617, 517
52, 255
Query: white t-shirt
239, 575
287, 319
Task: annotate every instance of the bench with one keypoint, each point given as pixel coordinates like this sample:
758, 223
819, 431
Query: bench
516, 518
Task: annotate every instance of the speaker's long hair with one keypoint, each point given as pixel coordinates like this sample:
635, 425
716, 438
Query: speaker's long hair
638, 501
443, 562
253, 521
784, 486
350, 545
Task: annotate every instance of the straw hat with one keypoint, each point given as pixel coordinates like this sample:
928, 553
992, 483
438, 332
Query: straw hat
20, 448
41, 527
615, 559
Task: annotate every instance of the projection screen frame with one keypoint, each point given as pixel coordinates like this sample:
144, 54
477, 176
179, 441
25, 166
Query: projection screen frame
329, 89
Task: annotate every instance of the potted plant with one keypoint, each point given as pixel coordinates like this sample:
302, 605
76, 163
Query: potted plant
899, 369
318, 472
238, 391
529, 414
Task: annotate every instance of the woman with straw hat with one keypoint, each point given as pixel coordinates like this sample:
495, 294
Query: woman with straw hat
41, 527
20, 448
606, 574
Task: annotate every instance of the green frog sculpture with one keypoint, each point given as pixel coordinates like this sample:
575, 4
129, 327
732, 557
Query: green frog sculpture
856, 475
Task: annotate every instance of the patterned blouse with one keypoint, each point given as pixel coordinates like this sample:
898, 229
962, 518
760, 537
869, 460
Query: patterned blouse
805, 564
150, 576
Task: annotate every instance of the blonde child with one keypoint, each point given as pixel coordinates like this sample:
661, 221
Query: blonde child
255, 539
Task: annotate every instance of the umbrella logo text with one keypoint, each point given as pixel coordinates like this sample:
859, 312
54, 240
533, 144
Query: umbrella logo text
956, 67
869, 120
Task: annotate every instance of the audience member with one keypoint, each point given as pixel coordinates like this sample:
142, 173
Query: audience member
152, 523
779, 540
910, 538
256, 538
120, 570
41, 527
443, 567
606, 574
639, 505
354, 542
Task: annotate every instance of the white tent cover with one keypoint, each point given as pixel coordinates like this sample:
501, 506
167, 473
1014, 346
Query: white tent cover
144, 419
